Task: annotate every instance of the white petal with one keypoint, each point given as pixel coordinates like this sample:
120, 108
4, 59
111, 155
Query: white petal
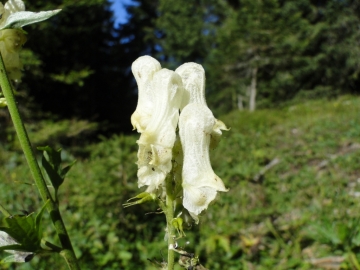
200, 183
157, 140
14, 6
216, 133
143, 70
193, 77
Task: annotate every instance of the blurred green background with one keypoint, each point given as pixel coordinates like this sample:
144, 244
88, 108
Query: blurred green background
284, 75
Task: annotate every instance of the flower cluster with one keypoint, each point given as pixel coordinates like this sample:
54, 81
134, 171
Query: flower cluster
162, 95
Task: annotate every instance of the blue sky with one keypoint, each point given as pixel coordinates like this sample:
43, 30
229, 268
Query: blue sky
119, 11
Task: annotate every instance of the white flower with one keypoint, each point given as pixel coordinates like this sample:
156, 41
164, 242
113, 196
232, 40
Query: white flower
161, 94
193, 77
200, 183
157, 140
18, 256
143, 70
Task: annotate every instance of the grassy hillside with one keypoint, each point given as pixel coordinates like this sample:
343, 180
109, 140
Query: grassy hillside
303, 208
293, 203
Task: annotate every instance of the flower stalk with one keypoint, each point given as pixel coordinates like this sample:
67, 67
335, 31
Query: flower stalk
169, 212
67, 249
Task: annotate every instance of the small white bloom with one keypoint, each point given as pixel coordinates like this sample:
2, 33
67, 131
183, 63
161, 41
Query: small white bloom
18, 256
200, 183
143, 70
157, 140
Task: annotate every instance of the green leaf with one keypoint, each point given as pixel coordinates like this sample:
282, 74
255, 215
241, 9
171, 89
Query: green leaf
22, 18
51, 161
24, 231
65, 170
38, 218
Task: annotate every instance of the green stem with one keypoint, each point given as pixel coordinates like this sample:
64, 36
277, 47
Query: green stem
52, 207
169, 212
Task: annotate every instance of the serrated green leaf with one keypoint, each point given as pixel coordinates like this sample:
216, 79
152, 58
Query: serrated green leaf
54, 156
22, 18
23, 230
51, 161
8, 244
54, 176
65, 170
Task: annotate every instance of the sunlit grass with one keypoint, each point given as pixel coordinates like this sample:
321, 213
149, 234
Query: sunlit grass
301, 213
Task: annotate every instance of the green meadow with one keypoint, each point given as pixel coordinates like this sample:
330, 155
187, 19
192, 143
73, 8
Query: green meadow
293, 202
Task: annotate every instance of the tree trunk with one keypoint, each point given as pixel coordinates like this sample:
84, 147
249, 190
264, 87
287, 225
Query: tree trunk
240, 102
252, 102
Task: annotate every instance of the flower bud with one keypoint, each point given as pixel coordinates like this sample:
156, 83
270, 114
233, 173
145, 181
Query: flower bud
11, 42
141, 198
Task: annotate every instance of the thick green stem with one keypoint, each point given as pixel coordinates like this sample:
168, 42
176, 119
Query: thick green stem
169, 218
52, 207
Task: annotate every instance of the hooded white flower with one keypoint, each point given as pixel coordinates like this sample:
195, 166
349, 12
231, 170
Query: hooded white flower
200, 183
143, 70
157, 140
193, 77
18, 256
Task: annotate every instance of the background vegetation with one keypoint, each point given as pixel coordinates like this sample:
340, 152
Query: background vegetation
292, 166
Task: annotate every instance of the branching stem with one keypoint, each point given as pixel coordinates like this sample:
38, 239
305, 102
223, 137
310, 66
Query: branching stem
67, 249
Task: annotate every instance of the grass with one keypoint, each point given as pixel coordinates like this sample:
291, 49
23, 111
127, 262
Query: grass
301, 213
